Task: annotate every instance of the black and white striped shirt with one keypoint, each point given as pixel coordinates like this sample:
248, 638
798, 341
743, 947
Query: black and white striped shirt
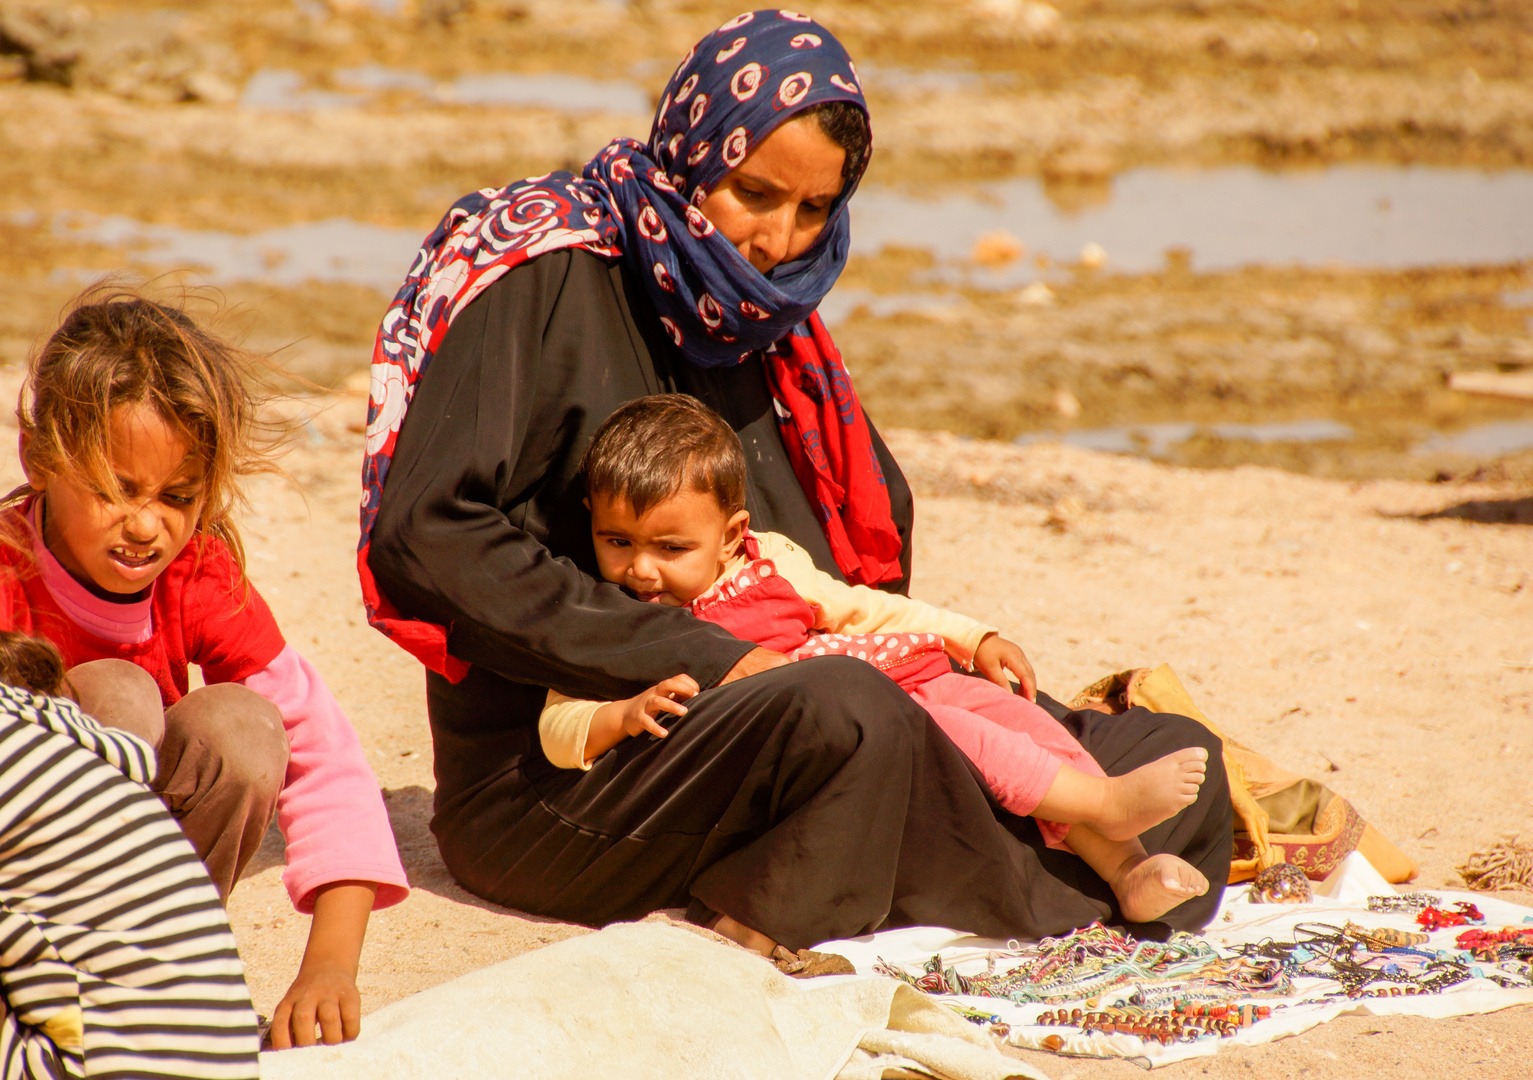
116, 958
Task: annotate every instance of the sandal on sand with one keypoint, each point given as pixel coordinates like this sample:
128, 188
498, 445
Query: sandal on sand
806, 964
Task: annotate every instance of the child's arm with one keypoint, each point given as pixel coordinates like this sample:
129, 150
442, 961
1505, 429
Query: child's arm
858, 609
575, 733
341, 857
325, 991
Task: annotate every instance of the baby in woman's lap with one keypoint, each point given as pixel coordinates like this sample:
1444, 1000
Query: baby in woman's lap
665, 480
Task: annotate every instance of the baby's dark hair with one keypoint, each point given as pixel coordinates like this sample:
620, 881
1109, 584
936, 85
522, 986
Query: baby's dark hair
30, 663
649, 448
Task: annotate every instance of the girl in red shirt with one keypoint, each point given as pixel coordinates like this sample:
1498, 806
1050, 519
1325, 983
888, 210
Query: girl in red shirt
136, 425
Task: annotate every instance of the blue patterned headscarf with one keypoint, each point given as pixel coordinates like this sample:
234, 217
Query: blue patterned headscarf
731, 91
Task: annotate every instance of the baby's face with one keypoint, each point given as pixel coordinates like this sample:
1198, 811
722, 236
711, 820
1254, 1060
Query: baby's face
670, 555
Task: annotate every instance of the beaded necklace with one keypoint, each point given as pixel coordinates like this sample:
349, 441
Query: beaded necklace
1182, 1021
1096, 959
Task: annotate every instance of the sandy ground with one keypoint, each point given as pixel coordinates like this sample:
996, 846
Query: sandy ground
1359, 624
1374, 635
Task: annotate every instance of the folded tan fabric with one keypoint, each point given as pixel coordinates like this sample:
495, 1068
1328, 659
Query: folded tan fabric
642, 1000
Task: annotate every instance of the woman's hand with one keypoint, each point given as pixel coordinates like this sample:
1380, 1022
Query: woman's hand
324, 995
996, 656
753, 663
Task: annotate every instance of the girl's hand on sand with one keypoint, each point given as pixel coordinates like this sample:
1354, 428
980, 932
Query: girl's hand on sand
324, 995
642, 712
996, 656
752, 663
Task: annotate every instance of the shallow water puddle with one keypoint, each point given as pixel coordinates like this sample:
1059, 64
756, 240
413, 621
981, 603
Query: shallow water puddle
1485, 440
571, 93
336, 250
841, 303
1360, 215
277, 88
1439, 215
1156, 440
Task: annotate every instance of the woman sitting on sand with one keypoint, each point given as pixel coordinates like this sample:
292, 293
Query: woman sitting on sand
791, 805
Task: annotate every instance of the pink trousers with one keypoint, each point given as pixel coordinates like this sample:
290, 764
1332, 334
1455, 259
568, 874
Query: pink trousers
1016, 745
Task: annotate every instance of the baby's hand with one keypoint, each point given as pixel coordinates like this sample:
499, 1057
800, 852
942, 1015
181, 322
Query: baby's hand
641, 712
996, 656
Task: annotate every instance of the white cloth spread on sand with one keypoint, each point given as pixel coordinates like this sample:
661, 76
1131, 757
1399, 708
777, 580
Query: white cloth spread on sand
1340, 898
641, 1000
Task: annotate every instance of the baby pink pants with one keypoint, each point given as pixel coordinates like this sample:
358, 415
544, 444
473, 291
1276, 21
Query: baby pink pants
1017, 746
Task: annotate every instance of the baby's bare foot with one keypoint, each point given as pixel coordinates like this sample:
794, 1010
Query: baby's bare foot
1148, 886
1150, 794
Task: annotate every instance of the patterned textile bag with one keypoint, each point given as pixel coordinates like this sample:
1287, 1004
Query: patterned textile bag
1279, 815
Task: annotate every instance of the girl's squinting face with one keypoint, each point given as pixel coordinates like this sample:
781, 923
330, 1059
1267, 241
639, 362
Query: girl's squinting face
673, 552
774, 204
122, 546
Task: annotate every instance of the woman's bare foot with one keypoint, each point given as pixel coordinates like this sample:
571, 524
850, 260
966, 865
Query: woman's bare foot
1148, 886
1142, 799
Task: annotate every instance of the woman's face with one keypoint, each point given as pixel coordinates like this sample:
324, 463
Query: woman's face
773, 206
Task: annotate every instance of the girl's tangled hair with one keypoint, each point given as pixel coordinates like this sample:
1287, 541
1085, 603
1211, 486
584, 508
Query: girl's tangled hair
115, 347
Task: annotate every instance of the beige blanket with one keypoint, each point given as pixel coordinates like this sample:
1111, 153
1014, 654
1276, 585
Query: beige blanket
642, 1000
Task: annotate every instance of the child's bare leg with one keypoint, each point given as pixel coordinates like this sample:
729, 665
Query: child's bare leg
119, 694
1147, 886
1122, 807
741, 934
222, 765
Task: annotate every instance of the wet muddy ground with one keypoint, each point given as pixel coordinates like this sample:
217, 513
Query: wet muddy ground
256, 119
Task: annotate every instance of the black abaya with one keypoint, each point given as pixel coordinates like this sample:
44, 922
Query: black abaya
811, 802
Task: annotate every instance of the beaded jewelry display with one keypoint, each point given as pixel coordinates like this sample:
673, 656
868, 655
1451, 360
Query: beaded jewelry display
1328, 952
1096, 959
989, 1021
1092, 961
1184, 990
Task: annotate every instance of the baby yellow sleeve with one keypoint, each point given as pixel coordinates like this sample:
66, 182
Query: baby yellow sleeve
563, 728
858, 609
